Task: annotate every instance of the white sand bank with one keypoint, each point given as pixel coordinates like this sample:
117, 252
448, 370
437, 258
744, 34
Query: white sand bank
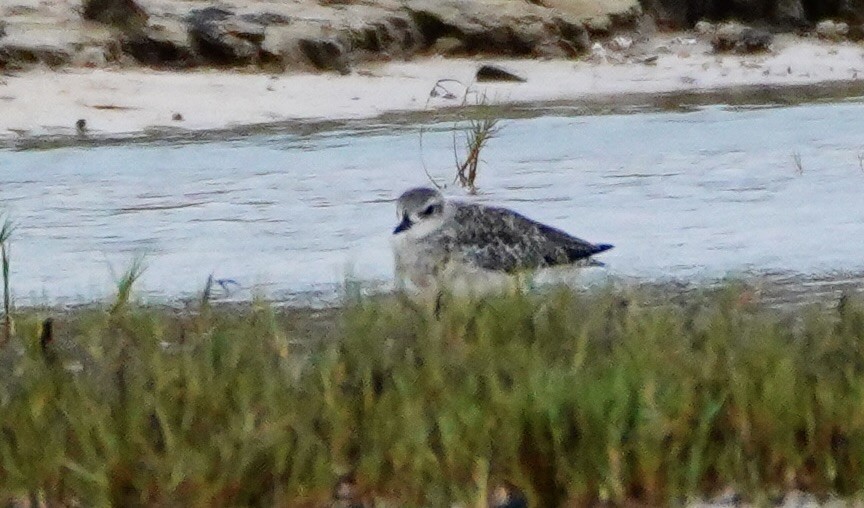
124, 102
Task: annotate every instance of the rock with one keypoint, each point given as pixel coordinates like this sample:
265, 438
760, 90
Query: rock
782, 14
726, 37
2, 28
325, 54
123, 14
790, 13
489, 72
598, 53
831, 30
91, 57
673, 14
307, 44
581, 9
856, 33
390, 35
574, 34
502, 28
221, 38
447, 46
599, 25
22, 57
732, 37
754, 40
163, 42
704, 28
621, 43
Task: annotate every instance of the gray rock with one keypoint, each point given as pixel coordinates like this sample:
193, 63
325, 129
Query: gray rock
754, 40
790, 12
832, 30
390, 35
91, 57
164, 42
222, 38
307, 44
22, 57
325, 54
732, 37
123, 14
488, 72
447, 46
783, 14
509, 28
856, 32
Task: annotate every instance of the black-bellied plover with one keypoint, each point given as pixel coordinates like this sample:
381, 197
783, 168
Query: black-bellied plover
471, 245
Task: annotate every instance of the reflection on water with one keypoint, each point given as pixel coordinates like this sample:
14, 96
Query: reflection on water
696, 194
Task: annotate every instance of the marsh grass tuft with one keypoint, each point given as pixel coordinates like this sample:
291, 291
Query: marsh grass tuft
482, 127
581, 399
5, 234
125, 283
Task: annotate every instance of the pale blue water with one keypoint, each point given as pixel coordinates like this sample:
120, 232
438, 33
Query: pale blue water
700, 194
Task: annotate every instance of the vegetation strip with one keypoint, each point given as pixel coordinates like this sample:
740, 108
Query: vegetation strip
618, 396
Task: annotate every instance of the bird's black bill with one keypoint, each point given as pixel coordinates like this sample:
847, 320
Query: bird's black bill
404, 225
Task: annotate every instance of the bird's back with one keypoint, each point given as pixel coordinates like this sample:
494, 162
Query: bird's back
502, 240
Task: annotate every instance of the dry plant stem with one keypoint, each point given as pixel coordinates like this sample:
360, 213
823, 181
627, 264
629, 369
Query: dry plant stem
799, 166
438, 90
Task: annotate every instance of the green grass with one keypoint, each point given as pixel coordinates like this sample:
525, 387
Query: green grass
620, 397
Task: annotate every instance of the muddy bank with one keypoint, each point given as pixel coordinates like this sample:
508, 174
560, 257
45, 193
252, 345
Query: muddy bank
300, 35
118, 68
337, 36
135, 102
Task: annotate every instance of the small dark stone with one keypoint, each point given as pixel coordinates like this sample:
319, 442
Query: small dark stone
177, 117
489, 72
81, 126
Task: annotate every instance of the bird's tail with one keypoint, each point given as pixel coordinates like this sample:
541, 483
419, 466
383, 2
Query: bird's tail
601, 247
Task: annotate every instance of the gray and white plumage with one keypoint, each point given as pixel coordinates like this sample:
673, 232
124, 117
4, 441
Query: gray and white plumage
439, 238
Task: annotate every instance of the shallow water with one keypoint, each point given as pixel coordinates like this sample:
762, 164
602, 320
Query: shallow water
699, 194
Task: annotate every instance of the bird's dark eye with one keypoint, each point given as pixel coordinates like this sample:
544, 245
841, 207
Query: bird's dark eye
429, 210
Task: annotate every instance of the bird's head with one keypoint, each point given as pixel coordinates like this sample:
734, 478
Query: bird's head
420, 211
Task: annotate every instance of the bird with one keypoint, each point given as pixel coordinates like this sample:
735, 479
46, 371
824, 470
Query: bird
473, 247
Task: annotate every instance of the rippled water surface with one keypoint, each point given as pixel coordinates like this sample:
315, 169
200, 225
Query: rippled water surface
683, 195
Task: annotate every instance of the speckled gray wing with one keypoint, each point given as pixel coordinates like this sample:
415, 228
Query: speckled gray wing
502, 240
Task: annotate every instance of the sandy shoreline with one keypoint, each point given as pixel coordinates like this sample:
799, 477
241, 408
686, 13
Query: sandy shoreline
127, 102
